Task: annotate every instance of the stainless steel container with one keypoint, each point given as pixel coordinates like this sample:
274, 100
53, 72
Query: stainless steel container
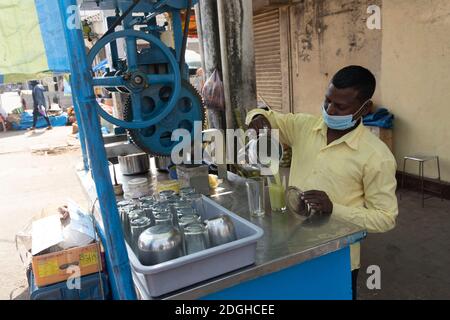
137, 188
220, 230
134, 163
195, 176
158, 244
296, 205
162, 163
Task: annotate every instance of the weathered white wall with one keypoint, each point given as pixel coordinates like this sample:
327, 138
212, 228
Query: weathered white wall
415, 77
326, 36
410, 56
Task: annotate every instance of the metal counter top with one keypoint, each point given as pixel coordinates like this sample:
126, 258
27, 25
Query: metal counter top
288, 239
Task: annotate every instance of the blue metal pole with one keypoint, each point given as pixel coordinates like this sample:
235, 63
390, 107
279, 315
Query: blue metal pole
81, 133
178, 33
117, 257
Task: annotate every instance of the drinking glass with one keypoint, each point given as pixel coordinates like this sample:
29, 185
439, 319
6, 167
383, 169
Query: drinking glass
195, 238
196, 201
185, 211
185, 220
163, 216
186, 191
138, 226
277, 198
256, 196
166, 194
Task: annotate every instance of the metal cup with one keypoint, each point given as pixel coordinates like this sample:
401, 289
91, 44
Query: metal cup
220, 230
158, 244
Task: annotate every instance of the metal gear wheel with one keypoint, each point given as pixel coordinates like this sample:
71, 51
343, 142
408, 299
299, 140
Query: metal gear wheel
156, 140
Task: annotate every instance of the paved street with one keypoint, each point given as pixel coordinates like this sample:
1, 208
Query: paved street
32, 183
414, 258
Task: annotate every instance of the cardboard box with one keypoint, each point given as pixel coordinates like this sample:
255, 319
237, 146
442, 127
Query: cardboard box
55, 267
59, 252
384, 135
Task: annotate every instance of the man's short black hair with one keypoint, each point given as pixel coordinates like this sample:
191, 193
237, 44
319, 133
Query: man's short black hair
33, 83
358, 78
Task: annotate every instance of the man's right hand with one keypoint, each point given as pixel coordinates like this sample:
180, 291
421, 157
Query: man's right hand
259, 122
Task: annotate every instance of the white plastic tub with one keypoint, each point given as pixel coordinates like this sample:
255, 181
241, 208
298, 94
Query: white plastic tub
187, 270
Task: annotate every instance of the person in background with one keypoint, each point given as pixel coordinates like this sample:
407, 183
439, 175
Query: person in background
22, 99
39, 104
343, 169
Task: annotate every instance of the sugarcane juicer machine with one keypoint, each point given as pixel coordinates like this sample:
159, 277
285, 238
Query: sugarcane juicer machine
154, 77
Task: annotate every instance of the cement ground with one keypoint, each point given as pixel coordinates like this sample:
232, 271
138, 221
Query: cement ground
32, 183
414, 258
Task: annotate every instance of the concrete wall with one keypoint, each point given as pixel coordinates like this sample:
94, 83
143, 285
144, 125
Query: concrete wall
327, 35
410, 56
415, 78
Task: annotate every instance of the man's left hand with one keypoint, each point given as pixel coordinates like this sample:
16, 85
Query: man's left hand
318, 200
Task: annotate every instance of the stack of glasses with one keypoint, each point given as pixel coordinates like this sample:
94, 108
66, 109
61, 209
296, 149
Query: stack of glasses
170, 226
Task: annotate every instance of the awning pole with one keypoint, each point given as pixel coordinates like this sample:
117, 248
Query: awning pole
117, 257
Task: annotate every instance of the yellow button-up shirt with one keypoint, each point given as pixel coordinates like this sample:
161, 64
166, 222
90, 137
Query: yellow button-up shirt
356, 171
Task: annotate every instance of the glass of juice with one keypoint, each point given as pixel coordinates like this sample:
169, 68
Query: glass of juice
277, 197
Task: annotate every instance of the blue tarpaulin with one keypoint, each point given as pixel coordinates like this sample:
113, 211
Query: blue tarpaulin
26, 121
380, 118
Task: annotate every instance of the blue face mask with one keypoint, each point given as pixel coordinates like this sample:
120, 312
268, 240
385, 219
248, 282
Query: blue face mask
341, 122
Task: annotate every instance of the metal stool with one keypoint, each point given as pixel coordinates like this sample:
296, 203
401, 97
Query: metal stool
422, 159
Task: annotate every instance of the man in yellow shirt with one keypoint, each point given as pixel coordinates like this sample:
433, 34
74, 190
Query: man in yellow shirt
342, 168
